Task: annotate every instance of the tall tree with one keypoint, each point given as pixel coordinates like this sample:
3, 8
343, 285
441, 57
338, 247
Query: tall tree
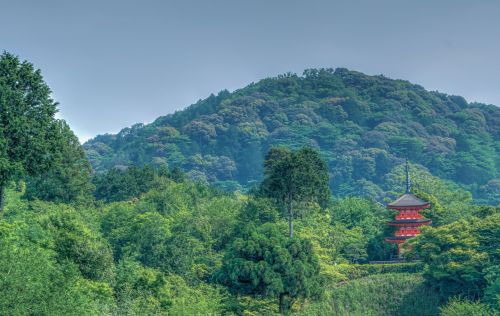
27, 123
264, 263
291, 177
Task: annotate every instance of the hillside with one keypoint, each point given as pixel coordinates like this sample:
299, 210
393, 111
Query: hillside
363, 125
146, 240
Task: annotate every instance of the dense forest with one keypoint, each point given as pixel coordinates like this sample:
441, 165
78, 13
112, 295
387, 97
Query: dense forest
171, 222
363, 126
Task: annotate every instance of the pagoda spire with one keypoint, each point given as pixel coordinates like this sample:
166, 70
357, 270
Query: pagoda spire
408, 184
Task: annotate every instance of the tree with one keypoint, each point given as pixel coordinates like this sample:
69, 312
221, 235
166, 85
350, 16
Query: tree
359, 212
33, 282
119, 185
68, 181
492, 291
350, 244
257, 211
292, 177
458, 256
263, 262
28, 127
73, 240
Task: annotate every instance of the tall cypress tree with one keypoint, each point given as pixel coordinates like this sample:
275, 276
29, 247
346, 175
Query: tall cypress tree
291, 177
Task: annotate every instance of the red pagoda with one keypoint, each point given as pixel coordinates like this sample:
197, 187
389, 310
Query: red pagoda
409, 219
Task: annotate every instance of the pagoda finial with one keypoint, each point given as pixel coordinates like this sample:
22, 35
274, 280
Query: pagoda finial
408, 185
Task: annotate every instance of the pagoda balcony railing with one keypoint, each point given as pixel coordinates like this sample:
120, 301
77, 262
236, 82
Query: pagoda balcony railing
407, 232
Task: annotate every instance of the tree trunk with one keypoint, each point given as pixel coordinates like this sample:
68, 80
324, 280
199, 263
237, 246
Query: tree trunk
290, 216
2, 197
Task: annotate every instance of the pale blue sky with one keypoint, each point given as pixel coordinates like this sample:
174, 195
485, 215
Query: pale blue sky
115, 63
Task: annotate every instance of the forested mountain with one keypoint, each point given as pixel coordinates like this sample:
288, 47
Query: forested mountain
151, 241
363, 125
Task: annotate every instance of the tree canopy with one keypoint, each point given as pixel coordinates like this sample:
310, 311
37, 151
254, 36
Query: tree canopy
362, 125
293, 177
28, 128
264, 262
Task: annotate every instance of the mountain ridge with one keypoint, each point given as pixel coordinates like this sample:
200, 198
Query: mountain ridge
363, 125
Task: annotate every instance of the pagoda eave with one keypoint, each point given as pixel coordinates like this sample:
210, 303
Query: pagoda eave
409, 223
408, 207
397, 240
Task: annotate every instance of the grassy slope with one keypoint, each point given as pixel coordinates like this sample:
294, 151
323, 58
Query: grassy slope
396, 294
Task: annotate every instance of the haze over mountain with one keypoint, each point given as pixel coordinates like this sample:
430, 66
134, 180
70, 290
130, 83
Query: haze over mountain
133, 61
363, 125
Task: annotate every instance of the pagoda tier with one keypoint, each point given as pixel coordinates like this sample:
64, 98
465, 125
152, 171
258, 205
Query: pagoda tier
409, 222
408, 202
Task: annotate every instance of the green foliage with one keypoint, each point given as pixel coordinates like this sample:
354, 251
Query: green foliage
362, 125
458, 256
34, 280
357, 212
466, 308
140, 289
346, 272
366, 219
28, 128
258, 211
73, 240
68, 180
172, 243
293, 177
154, 242
57, 257
146, 291
123, 184
32, 283
176, 228
380, 295
263, 262
492, 291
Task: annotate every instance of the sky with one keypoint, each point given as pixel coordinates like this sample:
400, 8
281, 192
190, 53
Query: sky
114, 63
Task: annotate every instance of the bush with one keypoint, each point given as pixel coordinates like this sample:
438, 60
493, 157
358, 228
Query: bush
344, 272
466, 308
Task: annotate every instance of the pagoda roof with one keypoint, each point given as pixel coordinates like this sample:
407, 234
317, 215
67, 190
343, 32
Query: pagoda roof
408, 200
410, 222
397, 239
